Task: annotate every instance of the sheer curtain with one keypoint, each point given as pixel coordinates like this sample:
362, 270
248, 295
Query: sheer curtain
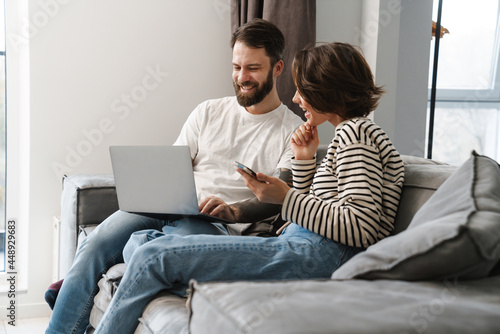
295, 18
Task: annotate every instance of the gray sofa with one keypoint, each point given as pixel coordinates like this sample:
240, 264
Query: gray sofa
438, 273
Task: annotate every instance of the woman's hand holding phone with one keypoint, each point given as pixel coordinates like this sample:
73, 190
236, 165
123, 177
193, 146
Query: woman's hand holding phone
266, 188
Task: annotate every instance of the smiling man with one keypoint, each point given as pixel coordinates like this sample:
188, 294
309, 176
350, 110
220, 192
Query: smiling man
335, 211
254, 74
253, 127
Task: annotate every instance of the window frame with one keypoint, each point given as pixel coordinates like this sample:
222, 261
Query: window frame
17, 140
491, 94
485, 98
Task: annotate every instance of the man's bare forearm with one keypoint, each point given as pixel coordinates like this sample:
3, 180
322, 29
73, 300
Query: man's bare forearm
252, 210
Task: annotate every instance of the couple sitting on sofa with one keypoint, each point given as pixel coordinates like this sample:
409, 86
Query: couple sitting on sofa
333, 211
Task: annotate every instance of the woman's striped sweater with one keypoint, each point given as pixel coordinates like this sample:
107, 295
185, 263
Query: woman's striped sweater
353, 196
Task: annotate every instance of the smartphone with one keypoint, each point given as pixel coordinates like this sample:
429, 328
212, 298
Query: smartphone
246, 169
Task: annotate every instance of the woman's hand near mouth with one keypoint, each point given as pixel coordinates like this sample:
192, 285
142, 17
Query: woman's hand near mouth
305, 142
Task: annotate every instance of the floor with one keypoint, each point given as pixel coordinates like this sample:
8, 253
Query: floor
25, 326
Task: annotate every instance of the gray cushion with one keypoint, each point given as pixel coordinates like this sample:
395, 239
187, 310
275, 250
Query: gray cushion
166, 313
456, 233
107, 288
353, 306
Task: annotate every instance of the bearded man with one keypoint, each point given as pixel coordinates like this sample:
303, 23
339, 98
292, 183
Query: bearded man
253, 127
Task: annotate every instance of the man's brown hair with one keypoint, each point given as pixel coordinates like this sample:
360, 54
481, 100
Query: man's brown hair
260, 33
335, 78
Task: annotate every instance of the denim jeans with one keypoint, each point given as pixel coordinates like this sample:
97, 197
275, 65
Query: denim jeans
102, 249
157, 261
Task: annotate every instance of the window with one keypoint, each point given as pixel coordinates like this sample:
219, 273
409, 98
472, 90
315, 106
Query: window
2, 136
467, 109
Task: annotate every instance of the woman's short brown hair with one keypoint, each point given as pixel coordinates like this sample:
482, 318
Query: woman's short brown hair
335, 78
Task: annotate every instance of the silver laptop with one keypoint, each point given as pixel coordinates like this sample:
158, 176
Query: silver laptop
156, 181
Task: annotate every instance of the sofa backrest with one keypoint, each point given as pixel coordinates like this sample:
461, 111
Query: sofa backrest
422, 178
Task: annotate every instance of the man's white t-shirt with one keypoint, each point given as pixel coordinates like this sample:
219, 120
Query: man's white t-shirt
221, 131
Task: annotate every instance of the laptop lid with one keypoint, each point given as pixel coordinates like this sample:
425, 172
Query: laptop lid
154, 179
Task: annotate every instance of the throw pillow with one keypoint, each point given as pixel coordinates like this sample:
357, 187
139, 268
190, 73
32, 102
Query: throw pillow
456, 233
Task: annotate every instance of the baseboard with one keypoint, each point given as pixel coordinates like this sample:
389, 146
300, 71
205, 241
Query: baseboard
39, 310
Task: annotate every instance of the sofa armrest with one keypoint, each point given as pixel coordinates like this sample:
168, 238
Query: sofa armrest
86, 201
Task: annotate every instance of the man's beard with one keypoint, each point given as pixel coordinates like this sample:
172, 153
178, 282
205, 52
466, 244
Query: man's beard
247, 100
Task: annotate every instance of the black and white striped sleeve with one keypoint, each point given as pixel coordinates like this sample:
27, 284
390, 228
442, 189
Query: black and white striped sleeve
303, 174
353, 216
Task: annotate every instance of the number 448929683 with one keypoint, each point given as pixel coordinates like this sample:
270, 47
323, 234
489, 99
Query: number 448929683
11, 245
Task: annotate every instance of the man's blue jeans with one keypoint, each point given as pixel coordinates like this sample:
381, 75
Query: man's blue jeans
157, 261
102, 249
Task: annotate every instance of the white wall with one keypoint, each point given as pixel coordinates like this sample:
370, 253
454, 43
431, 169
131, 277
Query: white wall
337, 21
85, 59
